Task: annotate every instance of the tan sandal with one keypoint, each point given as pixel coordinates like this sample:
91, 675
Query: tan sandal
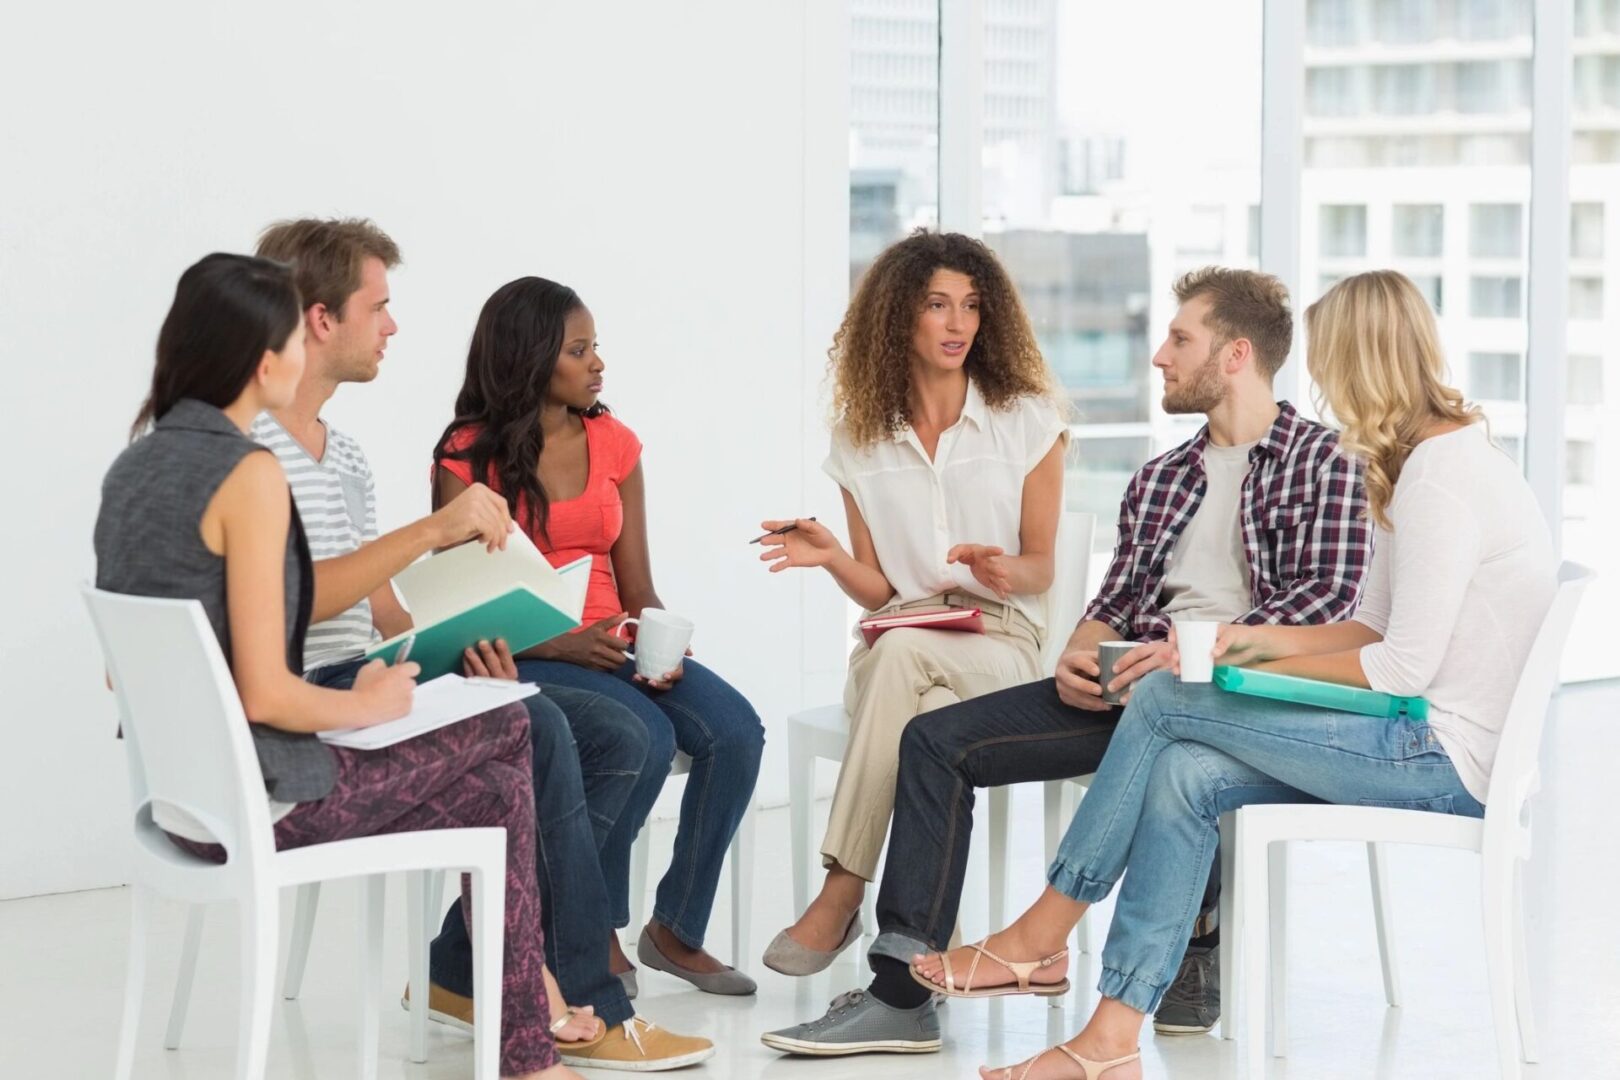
562, 1021
1020, 970
1089, 1070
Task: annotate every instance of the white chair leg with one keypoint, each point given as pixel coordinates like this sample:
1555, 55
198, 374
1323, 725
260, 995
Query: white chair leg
1496, 879
435, 902
1231, 926
372, 893
1255, 918
1523, 997
259, 918
309, 899
489, 941
134, 982
1383, 919
640, 852
1277, 883
185, 978
999, 799
802, 812
742, 888
418, 901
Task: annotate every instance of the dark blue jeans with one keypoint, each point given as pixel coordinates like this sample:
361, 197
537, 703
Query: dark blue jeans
708, 720
588, 754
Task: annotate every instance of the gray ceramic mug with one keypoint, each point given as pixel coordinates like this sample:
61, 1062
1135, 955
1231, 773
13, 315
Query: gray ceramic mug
1109, 654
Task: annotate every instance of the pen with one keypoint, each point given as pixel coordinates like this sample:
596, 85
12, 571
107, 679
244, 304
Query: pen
778, 532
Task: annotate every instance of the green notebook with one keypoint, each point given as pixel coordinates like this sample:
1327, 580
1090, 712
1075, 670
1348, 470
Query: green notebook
1324, 695
465, 595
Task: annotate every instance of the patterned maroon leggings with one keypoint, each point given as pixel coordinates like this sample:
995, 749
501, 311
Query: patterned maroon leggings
473, 773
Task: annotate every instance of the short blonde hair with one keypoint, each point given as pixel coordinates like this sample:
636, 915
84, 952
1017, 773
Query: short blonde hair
1374, 353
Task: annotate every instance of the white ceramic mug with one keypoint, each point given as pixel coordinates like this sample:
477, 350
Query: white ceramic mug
1195, 641
661, 641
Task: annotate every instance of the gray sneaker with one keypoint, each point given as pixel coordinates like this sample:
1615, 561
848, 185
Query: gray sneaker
858, 1023
1192, 1005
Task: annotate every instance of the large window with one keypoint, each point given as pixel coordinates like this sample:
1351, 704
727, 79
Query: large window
1100, 189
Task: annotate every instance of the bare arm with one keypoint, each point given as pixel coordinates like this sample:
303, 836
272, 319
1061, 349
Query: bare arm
387, 614
248, 519
344, 581
632, 562
811, 543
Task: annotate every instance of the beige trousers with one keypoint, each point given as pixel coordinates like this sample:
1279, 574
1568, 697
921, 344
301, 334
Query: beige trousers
906, 673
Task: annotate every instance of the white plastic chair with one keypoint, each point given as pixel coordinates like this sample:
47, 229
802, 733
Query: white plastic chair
823, 732
742, 874
1254, 838
189, 747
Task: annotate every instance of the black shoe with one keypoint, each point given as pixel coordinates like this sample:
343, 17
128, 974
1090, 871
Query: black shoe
1192, 1005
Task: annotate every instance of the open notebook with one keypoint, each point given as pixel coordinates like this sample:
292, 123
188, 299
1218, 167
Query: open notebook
439, 703
469, 594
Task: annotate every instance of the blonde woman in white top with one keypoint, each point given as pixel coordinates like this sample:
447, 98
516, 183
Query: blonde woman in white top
948, 450
1463, 573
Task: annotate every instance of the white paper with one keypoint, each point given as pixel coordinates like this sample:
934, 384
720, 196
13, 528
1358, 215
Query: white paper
437, 703
453, 581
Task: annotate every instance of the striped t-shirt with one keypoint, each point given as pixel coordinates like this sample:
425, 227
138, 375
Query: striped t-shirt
337, 501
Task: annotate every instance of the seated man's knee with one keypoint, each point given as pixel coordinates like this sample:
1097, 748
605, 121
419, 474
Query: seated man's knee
549, 732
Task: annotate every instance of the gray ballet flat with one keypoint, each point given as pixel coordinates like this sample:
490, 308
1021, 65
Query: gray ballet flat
730, 982
628, 978
790, 958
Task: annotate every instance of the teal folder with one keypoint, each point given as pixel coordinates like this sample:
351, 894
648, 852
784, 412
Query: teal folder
1324, 695
518, 616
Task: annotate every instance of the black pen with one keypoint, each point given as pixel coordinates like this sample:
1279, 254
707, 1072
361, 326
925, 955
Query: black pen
778, 532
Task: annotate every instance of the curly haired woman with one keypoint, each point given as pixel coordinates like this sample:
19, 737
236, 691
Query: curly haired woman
948, 449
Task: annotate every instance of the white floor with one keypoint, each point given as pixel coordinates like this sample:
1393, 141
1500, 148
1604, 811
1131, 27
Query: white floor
62, 964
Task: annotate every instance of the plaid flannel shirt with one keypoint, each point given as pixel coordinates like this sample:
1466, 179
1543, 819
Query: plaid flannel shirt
1305, 531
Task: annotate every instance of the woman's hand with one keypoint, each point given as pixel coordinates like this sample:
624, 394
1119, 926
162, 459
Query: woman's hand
489, 661
667, 681
386, 690
810, 543
989, 566
1243, 646
596, 647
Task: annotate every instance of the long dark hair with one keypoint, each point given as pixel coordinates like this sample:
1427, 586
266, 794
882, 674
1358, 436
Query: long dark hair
509, 366
227, 310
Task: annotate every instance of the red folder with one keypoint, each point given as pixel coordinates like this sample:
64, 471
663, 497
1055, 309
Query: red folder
966, 620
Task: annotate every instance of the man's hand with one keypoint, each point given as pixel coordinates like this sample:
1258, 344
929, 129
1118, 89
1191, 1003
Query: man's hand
1147, 657
476, 513
489, 661
989, 566
1076, 681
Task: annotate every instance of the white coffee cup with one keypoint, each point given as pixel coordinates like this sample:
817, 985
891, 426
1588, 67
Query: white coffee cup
1195, 641
661, 641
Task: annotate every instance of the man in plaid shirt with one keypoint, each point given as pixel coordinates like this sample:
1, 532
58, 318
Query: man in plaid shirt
1260, 518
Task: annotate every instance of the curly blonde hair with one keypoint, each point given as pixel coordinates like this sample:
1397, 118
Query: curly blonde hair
1375, 355
871, 355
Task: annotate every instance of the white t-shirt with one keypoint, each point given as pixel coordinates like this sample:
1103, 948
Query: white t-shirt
1207, 577
972, 492
337, 502
1458, 591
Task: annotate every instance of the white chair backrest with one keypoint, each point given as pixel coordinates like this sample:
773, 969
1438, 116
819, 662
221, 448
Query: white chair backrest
1518, 752
184, 729
1066, 599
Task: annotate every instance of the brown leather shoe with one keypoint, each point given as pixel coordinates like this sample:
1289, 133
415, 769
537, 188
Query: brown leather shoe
639, 1046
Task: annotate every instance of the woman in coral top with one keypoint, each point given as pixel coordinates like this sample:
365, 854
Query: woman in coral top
530, 424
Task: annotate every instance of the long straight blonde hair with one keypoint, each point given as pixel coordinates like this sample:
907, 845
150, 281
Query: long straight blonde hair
1374, 353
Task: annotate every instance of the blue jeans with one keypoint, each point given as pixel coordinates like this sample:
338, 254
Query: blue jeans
703, 716
1184, 754
588, 753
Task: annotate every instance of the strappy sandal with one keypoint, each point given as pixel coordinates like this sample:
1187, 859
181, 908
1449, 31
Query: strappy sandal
1020, 970
562, 1021
1090, 1070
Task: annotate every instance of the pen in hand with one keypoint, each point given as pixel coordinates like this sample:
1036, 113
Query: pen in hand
778, 532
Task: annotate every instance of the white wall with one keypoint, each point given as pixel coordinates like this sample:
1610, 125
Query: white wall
681, 165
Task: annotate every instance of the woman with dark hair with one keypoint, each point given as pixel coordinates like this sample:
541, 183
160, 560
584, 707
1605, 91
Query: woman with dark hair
948, 451
530, 424
195, 509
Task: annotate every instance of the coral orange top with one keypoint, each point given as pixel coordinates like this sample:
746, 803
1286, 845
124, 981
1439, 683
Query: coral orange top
587, 525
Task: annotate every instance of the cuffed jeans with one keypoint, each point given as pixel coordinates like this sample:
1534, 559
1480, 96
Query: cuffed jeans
587, 755
709, 721
1184, 754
